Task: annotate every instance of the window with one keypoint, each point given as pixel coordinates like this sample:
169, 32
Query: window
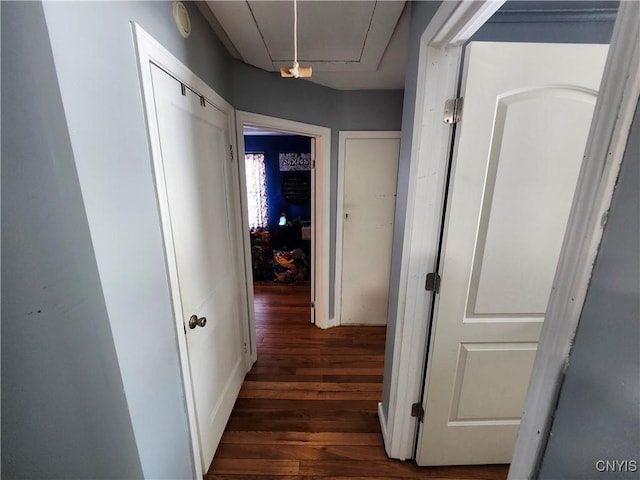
256, 190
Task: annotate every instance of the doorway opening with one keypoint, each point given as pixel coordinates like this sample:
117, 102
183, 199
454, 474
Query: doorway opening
284, 179
279, 209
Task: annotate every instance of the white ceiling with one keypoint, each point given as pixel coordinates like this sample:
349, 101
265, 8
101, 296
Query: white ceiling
351, 45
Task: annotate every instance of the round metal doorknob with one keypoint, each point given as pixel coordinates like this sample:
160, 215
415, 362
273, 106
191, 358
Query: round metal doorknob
194, 322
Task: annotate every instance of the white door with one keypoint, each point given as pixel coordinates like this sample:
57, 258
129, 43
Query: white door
370, 175
202, 209
526, 116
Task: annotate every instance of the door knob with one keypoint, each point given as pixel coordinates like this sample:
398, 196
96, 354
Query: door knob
194, 322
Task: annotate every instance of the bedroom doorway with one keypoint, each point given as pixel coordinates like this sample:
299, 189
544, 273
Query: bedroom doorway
279, 205
278, 167
284, 173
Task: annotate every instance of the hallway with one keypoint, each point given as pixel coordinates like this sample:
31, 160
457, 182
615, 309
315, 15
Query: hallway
308, 408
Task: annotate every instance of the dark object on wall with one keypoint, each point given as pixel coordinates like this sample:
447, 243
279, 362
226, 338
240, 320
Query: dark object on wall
296, 188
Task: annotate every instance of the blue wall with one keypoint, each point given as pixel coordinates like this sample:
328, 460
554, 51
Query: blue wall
272, 146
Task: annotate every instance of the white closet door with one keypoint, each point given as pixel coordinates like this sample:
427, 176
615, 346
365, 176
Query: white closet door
199, 187
370, 166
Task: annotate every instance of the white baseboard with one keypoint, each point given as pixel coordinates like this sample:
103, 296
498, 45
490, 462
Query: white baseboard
330, 323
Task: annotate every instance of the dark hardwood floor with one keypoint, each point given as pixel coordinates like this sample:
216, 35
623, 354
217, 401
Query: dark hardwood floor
308, 408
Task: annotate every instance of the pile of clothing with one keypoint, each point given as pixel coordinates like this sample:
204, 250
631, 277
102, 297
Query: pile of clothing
289, 267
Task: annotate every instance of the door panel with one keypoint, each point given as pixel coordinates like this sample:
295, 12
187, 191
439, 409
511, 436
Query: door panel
519, 241
370, 177
199, 188
527, 114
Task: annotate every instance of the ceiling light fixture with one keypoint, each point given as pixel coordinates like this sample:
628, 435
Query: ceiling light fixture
295, 71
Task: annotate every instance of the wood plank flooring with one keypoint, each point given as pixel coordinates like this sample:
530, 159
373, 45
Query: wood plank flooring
308, 408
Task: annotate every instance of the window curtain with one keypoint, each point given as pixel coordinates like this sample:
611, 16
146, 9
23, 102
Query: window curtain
256, 190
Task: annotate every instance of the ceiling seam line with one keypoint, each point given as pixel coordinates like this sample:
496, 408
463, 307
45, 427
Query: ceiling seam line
368, 30
255, 21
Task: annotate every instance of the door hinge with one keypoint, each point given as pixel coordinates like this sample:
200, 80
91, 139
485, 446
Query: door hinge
231, 152
453, 110
313, 164
313, 304
417, 411
245, 347
432, 283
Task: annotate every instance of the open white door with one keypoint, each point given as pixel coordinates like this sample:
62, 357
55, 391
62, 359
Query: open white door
527, 114
195, 179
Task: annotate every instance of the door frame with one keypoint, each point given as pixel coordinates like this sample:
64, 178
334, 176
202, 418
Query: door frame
151, 52
320, 211
343, 136
439, 64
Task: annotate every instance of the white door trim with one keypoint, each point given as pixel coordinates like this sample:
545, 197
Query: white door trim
439, 63
151, 52
614, 110
320, 217
439, 60
343, 136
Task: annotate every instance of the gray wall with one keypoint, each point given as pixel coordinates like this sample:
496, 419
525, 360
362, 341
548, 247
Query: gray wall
91, 51
551, 22
598, 413
64, 412
94, 56
257, 91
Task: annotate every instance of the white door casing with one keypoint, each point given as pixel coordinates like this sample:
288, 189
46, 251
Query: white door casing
368, 171
151, 55
519, 148
320, 180
430, 140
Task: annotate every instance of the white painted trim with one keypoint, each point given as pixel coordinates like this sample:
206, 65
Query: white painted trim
439, 64
383, 423
320, 217
151, 52
343, 136
246, 243
615, 107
